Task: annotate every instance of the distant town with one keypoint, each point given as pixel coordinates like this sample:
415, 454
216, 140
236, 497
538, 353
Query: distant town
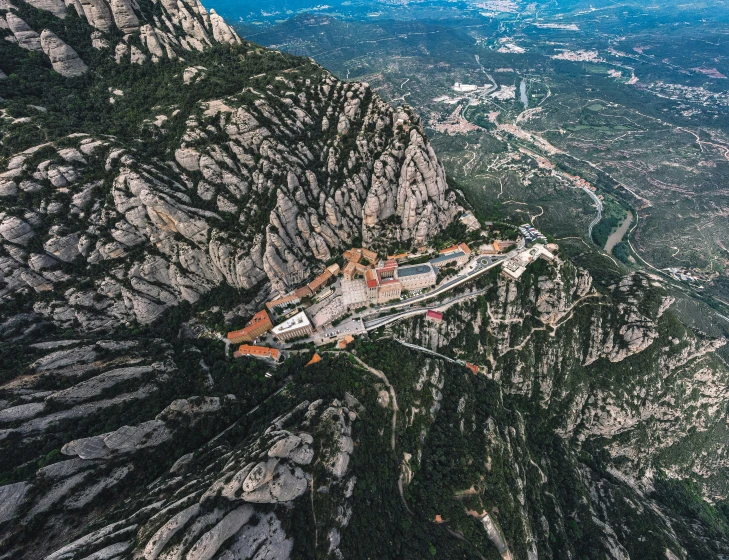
343, 302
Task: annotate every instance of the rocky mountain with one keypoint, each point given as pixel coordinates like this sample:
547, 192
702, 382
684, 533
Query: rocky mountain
260, 182
591, 411
157, 174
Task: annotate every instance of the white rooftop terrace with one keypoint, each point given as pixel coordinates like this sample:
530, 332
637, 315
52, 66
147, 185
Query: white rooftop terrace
296, 322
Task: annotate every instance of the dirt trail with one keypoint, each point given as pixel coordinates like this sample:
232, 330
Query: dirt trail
395, 409
390, 389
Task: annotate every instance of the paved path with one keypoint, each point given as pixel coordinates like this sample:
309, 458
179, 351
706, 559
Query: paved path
390, 389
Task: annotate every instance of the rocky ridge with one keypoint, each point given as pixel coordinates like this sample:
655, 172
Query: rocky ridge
228, 475
223, 171
260, 190
557, 340
124, 30
220, 495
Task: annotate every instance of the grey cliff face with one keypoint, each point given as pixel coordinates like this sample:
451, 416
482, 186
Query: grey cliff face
64, 59
542, 418
182, 26
598, 338
22, 33
242, 479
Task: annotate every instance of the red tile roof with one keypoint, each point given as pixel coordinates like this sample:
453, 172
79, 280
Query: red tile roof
261, 351
451, 249
319, 281
303, 292
281, 301
371, 278
435, 315
346, 341
316, 358
352, 255
369, 255
256, 323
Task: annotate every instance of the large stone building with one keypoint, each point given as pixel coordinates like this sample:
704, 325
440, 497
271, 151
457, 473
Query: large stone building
296, 326
259, 324
388, 282
257, 352
356, 254
320, 281
282, 302
417, 276
382, 284
516, 266
457, 255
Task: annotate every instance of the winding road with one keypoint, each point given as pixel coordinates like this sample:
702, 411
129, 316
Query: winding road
395, 409
598, 206
387, 319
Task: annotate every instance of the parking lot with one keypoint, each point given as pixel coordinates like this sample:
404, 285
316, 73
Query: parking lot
350, 326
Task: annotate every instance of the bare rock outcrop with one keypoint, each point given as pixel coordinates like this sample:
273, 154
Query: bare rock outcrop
248, 209
11, 497
56, 7
220, 510
124, 17
64, 59
24, 35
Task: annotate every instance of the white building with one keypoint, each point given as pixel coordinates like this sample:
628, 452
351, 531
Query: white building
296, 326
516, 266
464, 88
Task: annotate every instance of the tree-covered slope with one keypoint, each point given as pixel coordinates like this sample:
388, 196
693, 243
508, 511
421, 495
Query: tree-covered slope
598, 443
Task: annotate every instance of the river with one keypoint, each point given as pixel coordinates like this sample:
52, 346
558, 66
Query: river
523, 94
617, 236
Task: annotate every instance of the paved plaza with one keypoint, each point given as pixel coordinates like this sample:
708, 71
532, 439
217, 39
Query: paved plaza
354, 292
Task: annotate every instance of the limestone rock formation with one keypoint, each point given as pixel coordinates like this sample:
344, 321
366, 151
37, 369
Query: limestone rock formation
203, 504
124, 17
56, 7
64, 59
177, 205
24, 35
591, 334
210, 215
